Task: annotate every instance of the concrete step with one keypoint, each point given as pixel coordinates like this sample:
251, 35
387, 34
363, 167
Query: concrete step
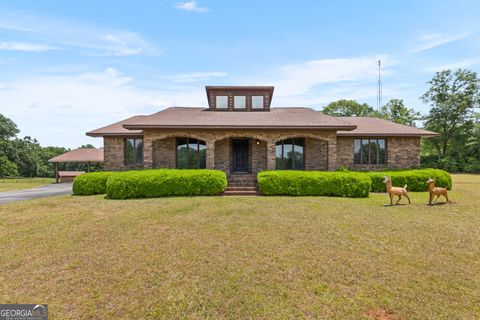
241, 188
242, 184
241, 193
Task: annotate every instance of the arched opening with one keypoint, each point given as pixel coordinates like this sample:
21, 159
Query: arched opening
191, 153
240, 154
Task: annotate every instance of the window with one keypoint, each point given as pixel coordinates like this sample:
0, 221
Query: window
221, 102
191, 154
257, 102
134, 151
239, 102
369, 151
289, 154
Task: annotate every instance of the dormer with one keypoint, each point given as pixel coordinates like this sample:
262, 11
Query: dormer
239, 98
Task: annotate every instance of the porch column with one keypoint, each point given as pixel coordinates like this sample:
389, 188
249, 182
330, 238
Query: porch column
271, 161
210, 154
147, 152
332, 154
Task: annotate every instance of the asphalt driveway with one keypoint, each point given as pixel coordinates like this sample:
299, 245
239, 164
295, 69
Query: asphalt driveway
54, 189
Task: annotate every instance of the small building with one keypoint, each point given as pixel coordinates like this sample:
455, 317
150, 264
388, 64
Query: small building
240, 132
88, 156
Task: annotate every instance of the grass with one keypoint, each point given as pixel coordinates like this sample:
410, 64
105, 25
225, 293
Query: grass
243, 258
23, 183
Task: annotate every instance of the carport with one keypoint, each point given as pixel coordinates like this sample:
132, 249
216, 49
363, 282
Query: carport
82, 155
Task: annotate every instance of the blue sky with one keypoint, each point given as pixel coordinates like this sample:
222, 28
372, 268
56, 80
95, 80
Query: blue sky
68, 67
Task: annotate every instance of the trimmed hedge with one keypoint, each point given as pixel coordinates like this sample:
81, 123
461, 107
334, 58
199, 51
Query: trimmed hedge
416, 180
166, 182
314, 183
88, 184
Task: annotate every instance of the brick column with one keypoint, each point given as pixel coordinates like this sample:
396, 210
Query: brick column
147, 152
271, 161
332, 154
210, 154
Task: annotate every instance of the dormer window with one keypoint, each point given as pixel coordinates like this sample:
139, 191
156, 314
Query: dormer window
221, 102
239, 98
239, 102
257, 102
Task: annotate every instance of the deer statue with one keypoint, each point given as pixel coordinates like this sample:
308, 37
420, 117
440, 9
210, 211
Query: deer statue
395, 191
436, 191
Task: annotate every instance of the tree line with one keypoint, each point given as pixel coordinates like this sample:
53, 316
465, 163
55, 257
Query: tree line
454, 99
25, 157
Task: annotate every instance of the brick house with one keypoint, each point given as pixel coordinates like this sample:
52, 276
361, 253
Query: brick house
240, 133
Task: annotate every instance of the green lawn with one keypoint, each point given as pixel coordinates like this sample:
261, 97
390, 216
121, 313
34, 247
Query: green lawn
245, 258
23, 183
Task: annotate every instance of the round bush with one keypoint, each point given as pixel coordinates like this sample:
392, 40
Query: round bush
166, 182
416, 180
88, 184
314, 183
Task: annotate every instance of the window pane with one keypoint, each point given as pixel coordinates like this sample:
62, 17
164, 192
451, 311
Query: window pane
257, 102
202, 157
288, 154
138, 151
381, 152
279, 156
365, 143
221, 102
182, 155
298, 154
373, 151
239, 102
356, 151
129, 151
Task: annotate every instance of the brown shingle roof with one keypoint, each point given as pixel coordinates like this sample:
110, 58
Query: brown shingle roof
80, 155
367, 126
116, 129
183, 117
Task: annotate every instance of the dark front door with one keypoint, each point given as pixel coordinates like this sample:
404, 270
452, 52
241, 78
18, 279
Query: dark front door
240, 155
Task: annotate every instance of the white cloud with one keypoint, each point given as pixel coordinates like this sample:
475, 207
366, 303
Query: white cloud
301, 78
195, 76
68, 34
24, 46
190, 6
432, 40
455, 65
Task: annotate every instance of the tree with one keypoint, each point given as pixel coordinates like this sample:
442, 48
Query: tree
349, 108
7, 168
396, 111
87, 146
8, 128
453, 97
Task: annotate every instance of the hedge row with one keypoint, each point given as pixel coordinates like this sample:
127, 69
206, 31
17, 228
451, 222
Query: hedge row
151, 183
166, 182
314, 183
416, 180
88, 184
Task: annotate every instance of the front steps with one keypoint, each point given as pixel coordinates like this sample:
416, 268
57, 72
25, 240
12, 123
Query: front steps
244, 184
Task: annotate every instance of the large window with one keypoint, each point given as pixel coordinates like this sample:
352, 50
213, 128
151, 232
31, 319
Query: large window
257, 102
221, 102
239, 102
369, 151
191, 154
289, 154
134, 151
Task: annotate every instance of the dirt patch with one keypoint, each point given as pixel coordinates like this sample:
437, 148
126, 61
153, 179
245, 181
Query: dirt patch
382, 314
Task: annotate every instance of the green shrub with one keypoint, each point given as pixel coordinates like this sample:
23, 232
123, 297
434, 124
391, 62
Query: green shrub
88, 184
165, 182
314, 183
416, 180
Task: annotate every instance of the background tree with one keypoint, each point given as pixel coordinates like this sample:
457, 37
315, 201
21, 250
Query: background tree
453, 97
396, 111
349, 108
7, 168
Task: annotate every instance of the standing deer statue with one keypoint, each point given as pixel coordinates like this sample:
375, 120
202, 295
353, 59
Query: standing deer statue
436, 191
395, 191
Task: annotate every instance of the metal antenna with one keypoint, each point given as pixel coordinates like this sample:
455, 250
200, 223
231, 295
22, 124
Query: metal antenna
379, 86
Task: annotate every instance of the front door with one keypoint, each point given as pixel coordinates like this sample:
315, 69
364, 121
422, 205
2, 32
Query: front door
240, 155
